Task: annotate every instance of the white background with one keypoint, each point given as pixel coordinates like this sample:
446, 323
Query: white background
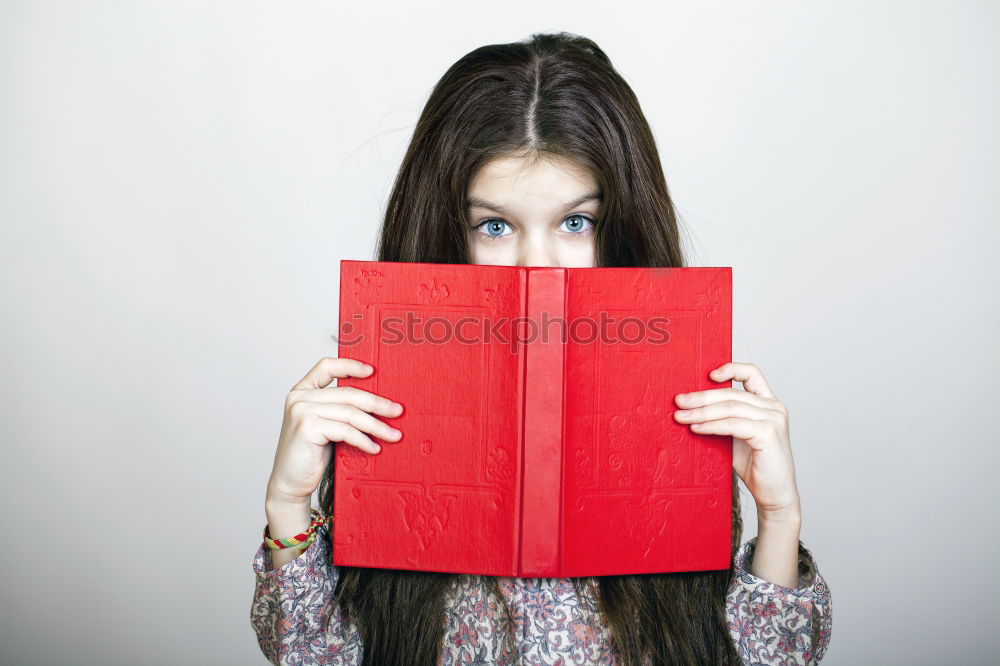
178, 182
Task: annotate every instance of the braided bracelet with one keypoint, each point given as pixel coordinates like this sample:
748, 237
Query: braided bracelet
300, 541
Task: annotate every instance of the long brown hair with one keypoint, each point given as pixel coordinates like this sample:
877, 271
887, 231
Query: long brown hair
553, 94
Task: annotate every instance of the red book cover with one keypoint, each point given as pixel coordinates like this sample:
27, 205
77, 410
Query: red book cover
538, 431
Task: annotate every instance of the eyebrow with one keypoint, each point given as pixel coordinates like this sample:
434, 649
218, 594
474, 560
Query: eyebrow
474, 202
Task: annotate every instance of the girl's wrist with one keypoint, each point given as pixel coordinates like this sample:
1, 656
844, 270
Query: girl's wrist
789, 515
286, 517
280, 499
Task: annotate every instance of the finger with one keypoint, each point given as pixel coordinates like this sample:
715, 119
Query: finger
726, 409
349, 395
746, 429
709, 396
329, 368
338, 431
361, 420
748, 373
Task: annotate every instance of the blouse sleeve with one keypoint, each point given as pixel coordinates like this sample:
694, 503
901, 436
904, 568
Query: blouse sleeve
772, 624
291, 605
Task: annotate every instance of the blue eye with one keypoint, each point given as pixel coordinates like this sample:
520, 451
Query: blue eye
579, 226
493, 228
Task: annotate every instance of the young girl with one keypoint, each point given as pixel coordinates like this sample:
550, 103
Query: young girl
534, 154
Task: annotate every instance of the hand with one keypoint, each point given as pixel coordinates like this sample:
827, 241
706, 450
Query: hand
317, 414
758, 423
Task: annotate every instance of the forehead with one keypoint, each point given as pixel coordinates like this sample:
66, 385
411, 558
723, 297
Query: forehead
546, 177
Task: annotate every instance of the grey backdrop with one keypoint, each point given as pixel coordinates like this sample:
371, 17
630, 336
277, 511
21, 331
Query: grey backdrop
178, 182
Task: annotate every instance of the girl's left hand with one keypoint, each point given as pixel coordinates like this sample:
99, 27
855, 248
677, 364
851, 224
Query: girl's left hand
758, 423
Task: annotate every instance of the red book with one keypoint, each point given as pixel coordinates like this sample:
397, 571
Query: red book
538, 431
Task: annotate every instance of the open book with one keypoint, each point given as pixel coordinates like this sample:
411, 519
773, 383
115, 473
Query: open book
538, 431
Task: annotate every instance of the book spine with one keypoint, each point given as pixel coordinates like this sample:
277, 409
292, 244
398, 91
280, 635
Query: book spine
541, 333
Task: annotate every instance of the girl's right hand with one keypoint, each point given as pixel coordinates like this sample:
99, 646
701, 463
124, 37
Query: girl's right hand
317, 414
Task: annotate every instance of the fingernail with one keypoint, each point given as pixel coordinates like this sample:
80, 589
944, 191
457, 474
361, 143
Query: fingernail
377, 448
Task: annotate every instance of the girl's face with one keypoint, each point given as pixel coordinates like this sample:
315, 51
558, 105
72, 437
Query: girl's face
528, 212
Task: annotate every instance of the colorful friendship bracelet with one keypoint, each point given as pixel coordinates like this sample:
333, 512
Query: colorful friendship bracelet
300, 541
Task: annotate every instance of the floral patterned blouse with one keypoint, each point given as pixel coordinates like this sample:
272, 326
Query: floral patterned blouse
771, 625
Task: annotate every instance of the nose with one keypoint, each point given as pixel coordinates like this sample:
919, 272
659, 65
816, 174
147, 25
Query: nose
536, 253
